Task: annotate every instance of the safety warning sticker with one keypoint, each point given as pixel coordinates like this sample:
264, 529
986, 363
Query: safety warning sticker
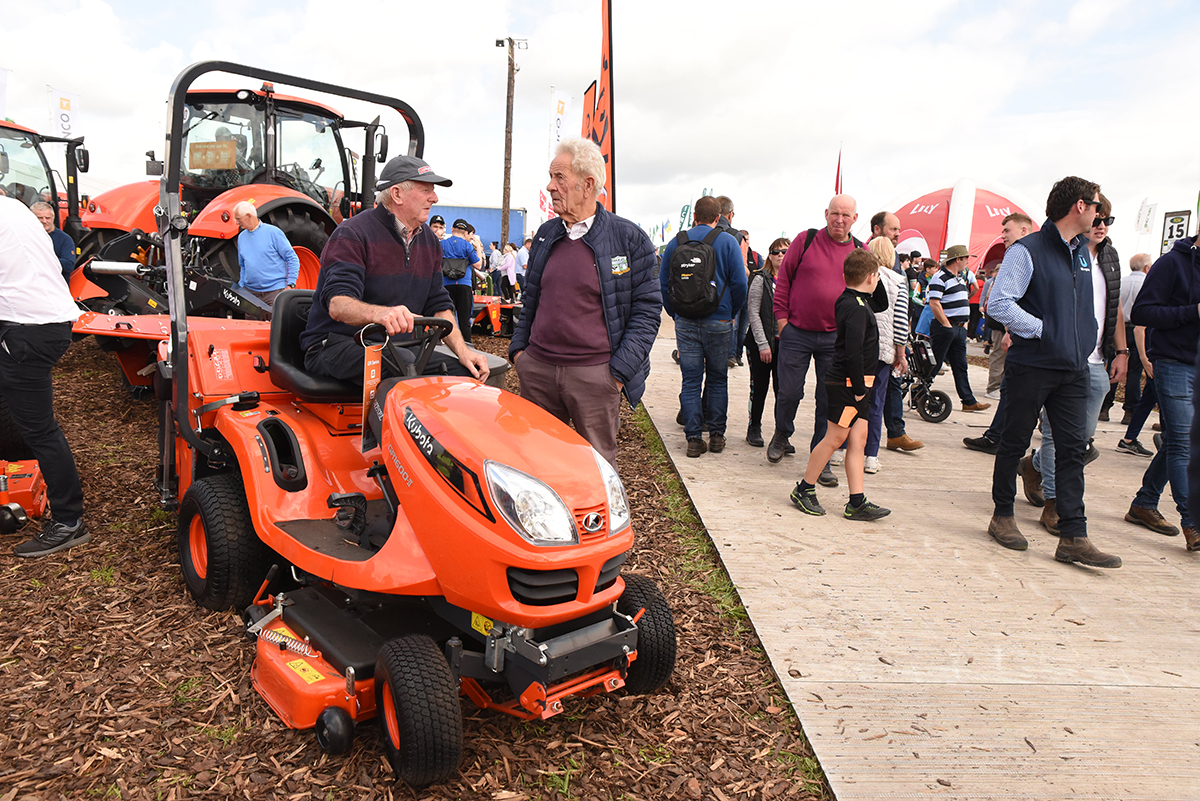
481, 624
305, 671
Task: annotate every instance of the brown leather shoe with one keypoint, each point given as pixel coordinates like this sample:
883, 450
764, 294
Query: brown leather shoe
975, 407
1049, 519
1004, 531
716, 443
1151, 519
1081, 550
1193, 539
1032, 481
904, 443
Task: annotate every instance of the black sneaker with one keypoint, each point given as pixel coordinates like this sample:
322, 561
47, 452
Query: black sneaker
696, 447
1158, 442
788, 449
53, 538
806, 501
867, 511
827, 479
981, 444
1091, 454
675, 355
1134, 448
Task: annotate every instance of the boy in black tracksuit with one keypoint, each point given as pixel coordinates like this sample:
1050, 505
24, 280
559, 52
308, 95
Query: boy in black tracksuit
847, 386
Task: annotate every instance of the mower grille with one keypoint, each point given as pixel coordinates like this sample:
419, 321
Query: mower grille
586, 536
543, 587
610, 571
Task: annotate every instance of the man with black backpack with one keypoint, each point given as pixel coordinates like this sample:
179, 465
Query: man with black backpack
809, 282
703, 279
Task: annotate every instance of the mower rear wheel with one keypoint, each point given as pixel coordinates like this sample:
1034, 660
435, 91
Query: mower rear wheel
420, 716
12, 444
934, 406
223, 560
656, 635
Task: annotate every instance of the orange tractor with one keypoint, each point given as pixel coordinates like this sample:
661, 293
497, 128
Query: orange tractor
396, 545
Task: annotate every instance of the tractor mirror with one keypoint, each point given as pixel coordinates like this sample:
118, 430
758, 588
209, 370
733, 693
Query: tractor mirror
82, 159
153, 166
382, 157
344, 207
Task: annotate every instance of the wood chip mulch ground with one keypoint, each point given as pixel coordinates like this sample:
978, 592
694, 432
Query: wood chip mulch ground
114, 684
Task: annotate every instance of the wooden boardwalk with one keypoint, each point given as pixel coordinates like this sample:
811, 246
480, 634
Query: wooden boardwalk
925, 660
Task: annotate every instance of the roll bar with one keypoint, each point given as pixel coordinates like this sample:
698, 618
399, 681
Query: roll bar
172, 225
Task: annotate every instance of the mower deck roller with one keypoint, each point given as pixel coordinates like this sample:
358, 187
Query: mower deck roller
423, 538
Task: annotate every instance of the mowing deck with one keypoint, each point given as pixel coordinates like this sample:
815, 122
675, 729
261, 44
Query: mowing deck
925, 660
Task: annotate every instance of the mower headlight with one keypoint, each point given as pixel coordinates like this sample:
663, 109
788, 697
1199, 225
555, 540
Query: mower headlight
618, 504
533, 509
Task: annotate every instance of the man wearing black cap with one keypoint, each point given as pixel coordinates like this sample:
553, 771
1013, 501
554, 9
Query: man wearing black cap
383, 266
437, 224
458, 262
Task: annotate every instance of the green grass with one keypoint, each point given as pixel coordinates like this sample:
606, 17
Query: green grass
103, 575
226, 734
701, 568
560, 781
183, 693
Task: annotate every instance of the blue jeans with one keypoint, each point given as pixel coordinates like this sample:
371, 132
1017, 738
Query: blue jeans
1173, 382
740, 325
1043, 457
1145, 405
798, 347
950, 345
878, 402
703, 359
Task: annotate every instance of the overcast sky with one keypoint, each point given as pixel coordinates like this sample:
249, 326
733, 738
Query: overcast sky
749, 99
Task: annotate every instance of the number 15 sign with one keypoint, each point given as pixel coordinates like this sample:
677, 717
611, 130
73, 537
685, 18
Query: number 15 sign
1175, 226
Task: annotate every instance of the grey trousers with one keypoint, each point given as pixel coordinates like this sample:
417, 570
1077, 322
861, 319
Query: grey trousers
585, 396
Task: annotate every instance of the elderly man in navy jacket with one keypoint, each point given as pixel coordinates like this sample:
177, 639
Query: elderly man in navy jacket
1043, 296
591, 305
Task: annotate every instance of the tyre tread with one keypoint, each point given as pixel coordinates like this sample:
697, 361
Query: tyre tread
656, 635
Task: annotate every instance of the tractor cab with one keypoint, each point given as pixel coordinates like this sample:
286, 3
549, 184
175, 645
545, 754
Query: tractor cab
25, 173
258, 137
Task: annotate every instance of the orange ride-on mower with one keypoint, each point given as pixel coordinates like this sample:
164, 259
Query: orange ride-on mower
443, 538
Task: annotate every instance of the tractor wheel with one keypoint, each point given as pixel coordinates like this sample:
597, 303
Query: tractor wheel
298, 225
420, 718
934, 406
656, 635
222, 558
12, 443
94, 241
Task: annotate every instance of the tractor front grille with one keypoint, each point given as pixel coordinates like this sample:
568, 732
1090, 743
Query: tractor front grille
543, 587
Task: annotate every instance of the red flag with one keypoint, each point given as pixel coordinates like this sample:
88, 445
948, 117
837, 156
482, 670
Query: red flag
837, 181
598, 108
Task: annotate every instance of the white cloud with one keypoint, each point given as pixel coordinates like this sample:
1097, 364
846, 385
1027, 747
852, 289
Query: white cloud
751, 100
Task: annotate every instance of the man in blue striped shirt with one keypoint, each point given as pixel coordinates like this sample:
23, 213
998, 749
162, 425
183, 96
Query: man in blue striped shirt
947, 298
1043, 296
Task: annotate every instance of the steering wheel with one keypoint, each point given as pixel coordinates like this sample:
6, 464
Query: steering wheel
427, 334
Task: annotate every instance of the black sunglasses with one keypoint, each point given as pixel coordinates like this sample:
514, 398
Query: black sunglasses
777, 252
1103, 221
1095, 203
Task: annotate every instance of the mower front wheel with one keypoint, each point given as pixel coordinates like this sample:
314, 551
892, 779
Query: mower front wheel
420, 716
656, 635
221, 556
934, 406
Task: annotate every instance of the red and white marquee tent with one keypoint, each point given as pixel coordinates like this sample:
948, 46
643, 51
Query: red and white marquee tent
969, 213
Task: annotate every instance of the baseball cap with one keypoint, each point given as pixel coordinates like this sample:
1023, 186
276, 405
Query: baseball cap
408, 168
437, 218
462, 224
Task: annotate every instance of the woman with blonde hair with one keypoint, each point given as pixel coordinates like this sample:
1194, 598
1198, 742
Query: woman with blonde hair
894, 321
762, 337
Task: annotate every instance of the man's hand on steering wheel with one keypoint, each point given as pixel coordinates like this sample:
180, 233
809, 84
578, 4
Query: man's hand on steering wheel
396, 319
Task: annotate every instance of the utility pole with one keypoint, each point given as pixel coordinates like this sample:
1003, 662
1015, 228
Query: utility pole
520, 44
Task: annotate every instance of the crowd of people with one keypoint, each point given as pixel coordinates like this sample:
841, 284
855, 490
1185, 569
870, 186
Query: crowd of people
1062, 325
1062, 328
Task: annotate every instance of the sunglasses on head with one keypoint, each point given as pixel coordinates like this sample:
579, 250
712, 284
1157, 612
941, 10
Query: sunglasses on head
777, 252
1102, 221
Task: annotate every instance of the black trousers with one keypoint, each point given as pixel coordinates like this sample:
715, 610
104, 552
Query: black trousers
762, 376
464, 301
27, 355
1064, 394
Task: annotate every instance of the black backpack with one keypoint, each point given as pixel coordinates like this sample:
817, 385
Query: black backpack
692, 276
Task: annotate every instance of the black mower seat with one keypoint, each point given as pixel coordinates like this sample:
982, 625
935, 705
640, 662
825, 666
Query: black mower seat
289, 317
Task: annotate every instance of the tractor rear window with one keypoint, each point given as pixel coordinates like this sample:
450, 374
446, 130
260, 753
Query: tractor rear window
223, 143
22, 173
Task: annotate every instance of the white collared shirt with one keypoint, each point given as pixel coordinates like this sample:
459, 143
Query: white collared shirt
580, 228
32, 290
